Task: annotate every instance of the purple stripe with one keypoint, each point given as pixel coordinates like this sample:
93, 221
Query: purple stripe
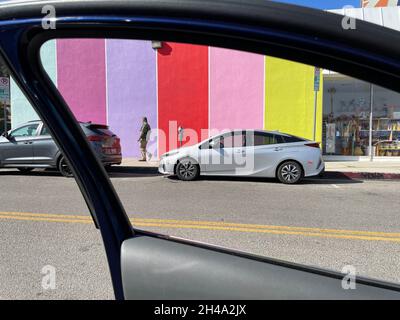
131, 83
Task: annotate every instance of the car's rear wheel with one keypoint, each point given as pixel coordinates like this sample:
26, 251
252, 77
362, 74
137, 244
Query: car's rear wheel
25, 170
187, 170
290, 172
64, 168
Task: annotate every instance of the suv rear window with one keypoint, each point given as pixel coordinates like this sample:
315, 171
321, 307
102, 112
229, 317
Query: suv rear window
100, 129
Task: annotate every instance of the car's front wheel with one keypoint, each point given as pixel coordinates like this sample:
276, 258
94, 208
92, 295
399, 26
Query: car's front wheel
187, 170
64, 168
290, 172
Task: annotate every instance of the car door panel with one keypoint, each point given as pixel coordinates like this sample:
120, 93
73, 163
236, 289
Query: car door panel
45, 150
17, 151
178, 270
219, 161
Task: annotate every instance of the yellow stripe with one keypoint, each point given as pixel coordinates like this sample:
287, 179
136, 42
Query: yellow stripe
257, 226
214, 225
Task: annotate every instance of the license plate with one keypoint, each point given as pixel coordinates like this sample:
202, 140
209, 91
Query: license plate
110, 151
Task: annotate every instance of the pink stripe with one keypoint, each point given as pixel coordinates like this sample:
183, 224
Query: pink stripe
82, 77
236, 89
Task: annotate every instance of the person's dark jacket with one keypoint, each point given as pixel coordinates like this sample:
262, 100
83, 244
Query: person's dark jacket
144, 131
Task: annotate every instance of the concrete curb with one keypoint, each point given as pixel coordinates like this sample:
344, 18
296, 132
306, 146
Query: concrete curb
361, 175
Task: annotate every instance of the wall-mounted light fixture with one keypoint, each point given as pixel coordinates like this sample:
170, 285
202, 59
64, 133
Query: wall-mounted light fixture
155, 44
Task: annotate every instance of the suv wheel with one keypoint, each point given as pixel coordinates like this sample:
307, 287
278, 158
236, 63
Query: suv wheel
290, 172
64, 168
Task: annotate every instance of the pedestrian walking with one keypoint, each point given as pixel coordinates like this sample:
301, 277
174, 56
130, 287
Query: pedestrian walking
143, 139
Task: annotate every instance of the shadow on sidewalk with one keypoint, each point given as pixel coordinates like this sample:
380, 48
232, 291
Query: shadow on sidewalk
113, 172
126, 172
137, 172
328, 179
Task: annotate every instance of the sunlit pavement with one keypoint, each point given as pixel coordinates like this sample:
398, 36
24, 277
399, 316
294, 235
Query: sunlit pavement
323, 222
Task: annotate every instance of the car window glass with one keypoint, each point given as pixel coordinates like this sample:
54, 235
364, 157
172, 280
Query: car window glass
163, 100
25, 131
45, 131
262, 139
45, 224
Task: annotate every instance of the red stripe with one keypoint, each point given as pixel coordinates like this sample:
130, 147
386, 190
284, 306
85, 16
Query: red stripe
182, 91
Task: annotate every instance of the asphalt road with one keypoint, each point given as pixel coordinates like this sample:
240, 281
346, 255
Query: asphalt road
326, 223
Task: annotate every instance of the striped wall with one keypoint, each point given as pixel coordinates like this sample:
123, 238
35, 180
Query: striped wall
202, 89
82, 77
131, 90
182, 92
236, 89
290, 99
21, 108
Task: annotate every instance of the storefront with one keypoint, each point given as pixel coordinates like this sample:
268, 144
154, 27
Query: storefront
356, 116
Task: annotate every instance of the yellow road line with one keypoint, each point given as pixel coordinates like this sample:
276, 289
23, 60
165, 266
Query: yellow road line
214, 225
308, 234
258, 226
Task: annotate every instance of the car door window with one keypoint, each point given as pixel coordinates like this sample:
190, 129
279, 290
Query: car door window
264, 139
189, 93
44, 131
25, 131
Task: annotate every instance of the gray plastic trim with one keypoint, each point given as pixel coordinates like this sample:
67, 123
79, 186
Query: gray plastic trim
154, 268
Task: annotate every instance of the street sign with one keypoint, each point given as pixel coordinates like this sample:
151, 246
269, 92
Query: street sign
4, 90
317, 79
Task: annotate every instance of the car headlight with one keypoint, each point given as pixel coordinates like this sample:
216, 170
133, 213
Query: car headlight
169, 154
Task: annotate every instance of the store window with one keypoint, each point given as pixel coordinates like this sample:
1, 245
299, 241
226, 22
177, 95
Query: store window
386, 122
347, 129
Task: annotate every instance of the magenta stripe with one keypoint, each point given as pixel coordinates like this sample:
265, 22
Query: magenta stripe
82, 77
236, 89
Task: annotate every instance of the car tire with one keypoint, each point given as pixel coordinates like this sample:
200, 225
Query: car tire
25, 170
290, 172
64, 168
187, 170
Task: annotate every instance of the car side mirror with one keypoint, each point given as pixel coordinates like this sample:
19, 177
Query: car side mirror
212, 144
6, 135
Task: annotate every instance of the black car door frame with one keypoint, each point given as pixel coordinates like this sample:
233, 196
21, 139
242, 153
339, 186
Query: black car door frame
369, 52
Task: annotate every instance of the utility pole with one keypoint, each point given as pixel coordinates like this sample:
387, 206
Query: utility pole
371, 153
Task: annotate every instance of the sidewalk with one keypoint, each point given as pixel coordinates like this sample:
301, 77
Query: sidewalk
387, 170
333, 169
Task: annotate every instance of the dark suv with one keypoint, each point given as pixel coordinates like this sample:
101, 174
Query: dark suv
30, 146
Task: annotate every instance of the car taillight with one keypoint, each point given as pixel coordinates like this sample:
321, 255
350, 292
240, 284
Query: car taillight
95, 138
117, 142
313, 145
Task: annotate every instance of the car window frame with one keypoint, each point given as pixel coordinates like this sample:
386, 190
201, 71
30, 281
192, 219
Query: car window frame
12, 136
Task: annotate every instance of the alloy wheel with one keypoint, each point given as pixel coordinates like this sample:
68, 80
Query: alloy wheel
187, 170
290, 172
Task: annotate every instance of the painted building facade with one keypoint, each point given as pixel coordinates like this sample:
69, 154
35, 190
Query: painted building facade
206, 90
201, 88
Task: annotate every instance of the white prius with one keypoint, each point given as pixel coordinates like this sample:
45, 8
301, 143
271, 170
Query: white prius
254, 153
